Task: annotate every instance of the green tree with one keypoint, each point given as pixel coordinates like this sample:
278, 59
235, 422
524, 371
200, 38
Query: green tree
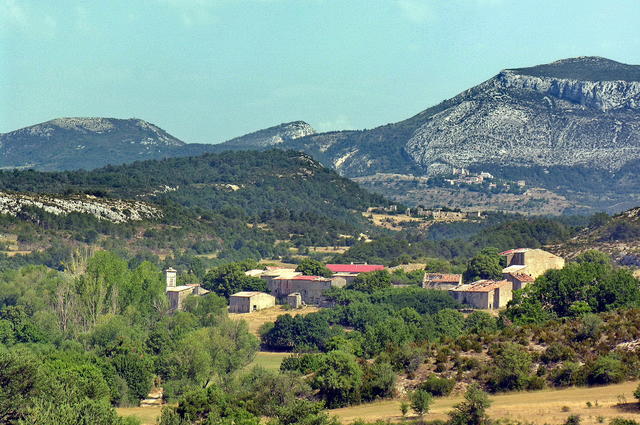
338, 379
420, 401
404, 408
18, 384
512, 366
485, 265
371, 281
636, 393
230, 278
472, 411
311, 267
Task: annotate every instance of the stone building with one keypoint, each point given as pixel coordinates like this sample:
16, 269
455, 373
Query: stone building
295, 300
484, 294
532, 262
311, 288
248, 301
518, 280
441, 281
176, 294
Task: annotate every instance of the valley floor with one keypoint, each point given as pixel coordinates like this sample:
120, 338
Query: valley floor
539, 407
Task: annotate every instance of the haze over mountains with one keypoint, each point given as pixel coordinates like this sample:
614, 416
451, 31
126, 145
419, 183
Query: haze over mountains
572, 125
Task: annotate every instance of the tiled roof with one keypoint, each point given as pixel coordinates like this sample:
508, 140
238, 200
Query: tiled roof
523, 277
354, 268
482, 286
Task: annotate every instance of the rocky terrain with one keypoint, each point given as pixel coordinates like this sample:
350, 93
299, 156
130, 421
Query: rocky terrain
113, 210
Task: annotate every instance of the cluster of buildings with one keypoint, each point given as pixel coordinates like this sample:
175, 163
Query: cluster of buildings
464, 176
524, 265
286, 286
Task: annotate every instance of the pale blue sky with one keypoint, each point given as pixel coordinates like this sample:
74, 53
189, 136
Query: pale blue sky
209, 70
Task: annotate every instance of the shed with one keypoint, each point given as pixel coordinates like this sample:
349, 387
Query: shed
294, 299
248, 301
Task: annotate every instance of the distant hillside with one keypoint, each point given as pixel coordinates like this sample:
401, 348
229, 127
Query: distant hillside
618, 236
88, 143
230, 205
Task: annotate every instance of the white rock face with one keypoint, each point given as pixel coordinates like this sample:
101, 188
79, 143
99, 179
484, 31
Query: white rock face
515, 119
272, 136
113, 210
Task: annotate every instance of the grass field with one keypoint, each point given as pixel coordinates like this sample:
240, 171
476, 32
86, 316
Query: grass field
540, 407
258, 318
268, 360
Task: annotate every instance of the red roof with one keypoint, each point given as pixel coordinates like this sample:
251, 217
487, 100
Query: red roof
354, 268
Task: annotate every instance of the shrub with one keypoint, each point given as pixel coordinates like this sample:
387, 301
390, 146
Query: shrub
566, 375
557, 352
420, 401
605, 370
439, 387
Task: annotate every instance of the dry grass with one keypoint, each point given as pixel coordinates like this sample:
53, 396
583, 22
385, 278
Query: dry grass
258, 318
393, 222
147, 415
540, 407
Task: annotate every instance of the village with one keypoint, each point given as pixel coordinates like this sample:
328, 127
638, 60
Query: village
296, 290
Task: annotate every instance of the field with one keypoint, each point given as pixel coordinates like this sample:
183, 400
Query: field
540, 407
258, 318
268, 360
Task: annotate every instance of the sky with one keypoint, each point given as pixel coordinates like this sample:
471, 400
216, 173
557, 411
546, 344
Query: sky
209, 70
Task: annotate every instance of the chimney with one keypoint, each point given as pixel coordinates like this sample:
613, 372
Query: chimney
170, 277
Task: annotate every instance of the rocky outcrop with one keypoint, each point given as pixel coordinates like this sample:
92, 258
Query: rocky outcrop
113, 210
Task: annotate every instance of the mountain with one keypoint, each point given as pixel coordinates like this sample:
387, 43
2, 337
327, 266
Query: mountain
570, 126
269, 137
573, 112
88, 143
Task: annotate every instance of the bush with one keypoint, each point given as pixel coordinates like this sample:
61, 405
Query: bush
439, 387
605, 370
557, 352
566, 375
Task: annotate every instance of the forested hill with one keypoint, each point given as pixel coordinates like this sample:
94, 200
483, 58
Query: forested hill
234, 205
253, 182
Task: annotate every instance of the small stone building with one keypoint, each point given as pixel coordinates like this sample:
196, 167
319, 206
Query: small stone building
311, 288
441, 281
519, 280
177, 294
248, 301
295, 300
484, 294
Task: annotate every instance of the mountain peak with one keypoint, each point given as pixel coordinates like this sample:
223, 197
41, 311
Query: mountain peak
271, 136
585, 68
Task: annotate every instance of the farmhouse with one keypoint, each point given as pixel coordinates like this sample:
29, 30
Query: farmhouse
311, 288
532, 262
441, 281
484, 294
178, 293
248, 301
348, 272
